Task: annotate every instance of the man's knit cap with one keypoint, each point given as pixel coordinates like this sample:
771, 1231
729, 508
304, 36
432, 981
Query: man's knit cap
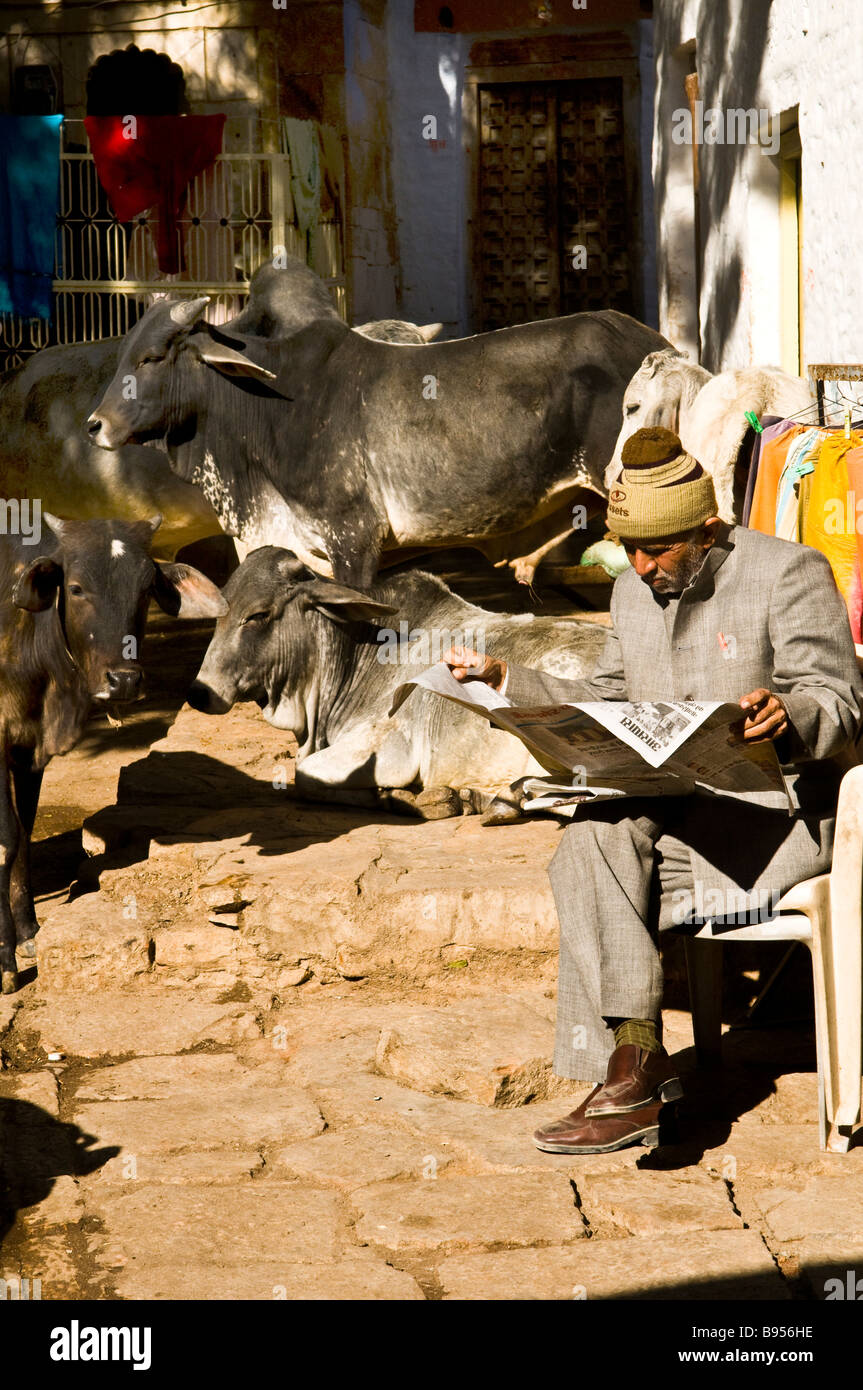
661, 492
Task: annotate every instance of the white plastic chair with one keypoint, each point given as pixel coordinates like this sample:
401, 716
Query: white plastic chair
825, 914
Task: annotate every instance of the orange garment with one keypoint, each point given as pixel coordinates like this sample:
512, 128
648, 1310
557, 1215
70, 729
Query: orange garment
830, 522
771, 462
854, 465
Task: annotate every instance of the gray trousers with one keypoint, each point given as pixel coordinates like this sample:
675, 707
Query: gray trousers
625, 871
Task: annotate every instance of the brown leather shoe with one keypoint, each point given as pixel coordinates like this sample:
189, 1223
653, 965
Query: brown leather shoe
635, 1078
577, 1134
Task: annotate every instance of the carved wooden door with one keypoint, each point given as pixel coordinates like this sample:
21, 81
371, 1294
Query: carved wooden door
554, 221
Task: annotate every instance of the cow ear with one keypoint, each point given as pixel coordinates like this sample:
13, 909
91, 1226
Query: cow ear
343, 604
184, 592
36, 588
226, 359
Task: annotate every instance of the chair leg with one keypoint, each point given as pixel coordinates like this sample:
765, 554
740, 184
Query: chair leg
837, 1034
704, 969
824, 1037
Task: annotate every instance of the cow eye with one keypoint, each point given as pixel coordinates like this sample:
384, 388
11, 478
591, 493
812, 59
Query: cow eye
256, 618
75, 590
631, 409
149, 357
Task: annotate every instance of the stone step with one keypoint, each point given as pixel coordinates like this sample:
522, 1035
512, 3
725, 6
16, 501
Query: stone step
265, 898
208, 873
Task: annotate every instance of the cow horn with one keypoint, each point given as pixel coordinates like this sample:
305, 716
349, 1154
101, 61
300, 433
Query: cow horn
154, 522
55, 523
186, 311
289, 567
428, 331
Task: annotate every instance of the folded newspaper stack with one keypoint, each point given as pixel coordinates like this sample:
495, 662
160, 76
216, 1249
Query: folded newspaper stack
615, 748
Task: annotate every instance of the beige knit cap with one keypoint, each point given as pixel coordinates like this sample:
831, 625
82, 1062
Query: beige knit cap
662, 490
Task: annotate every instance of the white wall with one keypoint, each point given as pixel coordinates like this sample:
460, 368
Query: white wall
794, 53
427, 79
431, 185
647, 83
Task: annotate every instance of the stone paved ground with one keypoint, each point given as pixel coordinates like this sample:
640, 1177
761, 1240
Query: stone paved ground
278, 1051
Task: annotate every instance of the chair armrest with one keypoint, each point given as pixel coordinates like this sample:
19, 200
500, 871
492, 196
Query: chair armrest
810, 896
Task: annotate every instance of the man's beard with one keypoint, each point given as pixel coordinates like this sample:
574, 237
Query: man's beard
685, 571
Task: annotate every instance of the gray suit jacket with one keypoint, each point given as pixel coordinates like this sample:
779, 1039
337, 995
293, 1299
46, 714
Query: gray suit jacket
762, 612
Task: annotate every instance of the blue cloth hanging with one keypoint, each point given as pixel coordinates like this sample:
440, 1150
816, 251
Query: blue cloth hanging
29, 199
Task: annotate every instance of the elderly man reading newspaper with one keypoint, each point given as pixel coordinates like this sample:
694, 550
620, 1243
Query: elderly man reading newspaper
706, 611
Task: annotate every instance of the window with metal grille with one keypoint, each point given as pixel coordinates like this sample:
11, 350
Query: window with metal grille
239, 212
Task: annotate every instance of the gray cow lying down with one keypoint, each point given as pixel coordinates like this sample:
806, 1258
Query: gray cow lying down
323, 660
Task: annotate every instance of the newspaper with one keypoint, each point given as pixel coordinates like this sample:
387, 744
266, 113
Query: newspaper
618, 748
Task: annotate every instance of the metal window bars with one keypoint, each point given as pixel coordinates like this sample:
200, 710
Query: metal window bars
238, 214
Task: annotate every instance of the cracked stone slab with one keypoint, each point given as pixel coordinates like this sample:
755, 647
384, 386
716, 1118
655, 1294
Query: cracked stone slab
821, 1260
158, 1078
91, 943
726, 1265
828, 1205
794, 1101
457, 1212
240, 1116
63, 1204
756, 1151
37, 1090
486, 1136
351, 1278
46, 1255
220, 1167
657, 1203
143, 1025
490, 1051
357, 1157
172, 1228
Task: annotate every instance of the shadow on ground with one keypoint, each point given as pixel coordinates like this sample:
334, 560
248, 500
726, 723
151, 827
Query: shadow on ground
36, 1150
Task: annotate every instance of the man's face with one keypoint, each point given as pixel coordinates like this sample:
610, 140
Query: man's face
669, 565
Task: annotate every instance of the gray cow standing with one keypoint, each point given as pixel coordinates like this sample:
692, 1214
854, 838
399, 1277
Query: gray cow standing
323, 660
355, 454
44, 403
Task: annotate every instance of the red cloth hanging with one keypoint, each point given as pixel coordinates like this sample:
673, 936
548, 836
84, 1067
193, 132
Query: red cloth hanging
151, 164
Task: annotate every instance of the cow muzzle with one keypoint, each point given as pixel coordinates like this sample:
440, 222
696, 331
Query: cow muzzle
204, 698
121, 684
100, 435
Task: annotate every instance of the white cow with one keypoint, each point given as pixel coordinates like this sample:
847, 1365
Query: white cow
707, 412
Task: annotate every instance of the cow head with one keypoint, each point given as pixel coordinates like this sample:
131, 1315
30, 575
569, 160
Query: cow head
271, 644
99, 577
146, 398
665, 383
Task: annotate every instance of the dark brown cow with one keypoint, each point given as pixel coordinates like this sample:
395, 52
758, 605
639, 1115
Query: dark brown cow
73, 603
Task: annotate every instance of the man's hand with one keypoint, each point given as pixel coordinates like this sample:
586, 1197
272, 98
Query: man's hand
467, 665
766, 718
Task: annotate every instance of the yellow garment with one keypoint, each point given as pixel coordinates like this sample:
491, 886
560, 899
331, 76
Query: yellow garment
828, 527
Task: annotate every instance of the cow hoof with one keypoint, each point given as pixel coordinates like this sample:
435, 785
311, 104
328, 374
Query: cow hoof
27, 948
9, 982
439, 803
501, 814
473, 802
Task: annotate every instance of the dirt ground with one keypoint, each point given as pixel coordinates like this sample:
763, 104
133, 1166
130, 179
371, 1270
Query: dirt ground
275, 1050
